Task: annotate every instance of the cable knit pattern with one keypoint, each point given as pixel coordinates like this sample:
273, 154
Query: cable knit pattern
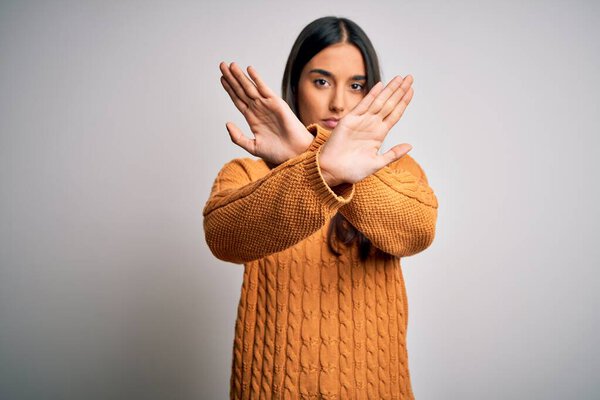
360, 334
236, 376
259, 329
312, 325
383, 332
346, 327
394, 331
371, 327
282, 284
269, 341
248, 324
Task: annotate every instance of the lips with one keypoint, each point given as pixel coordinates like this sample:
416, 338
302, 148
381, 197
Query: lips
330, 123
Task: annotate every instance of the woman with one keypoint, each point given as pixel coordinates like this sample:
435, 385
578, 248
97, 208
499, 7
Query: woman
320, 222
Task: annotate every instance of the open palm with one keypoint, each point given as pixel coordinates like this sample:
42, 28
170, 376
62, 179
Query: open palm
278, 134
352, 151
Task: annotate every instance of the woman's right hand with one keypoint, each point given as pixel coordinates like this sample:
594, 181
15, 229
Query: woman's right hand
278, 133
351, 152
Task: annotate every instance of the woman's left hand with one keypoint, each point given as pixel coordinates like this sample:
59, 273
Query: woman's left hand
278, 134
352, 151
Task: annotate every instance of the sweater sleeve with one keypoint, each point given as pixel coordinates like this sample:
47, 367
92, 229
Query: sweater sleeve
253, 212
395, 208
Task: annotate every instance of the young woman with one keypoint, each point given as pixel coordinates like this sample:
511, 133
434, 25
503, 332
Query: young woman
321, 221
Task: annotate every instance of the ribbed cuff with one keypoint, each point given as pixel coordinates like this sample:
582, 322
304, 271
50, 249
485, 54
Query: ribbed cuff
321, 135
331, 198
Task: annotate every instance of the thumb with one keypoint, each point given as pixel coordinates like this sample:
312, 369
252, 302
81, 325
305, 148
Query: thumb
395, 153
238, 137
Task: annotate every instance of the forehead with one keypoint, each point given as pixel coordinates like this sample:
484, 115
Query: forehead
340, 59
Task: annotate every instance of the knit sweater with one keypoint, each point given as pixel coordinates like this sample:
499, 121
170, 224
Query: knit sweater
310, 324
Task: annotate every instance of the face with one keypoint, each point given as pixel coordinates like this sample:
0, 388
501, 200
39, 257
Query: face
331, 84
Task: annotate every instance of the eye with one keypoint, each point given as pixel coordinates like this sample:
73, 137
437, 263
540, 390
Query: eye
358, 87
321, 82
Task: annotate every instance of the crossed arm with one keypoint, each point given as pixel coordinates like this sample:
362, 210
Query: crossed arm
387, 196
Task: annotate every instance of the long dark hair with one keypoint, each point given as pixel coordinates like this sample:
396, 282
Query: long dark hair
316, 36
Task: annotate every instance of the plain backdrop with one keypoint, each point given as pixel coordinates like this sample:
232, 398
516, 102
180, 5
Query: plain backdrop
112, 122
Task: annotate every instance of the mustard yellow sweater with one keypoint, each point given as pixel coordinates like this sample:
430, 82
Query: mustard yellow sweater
312, 325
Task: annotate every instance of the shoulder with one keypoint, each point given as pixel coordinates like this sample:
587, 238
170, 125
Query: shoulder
409, 164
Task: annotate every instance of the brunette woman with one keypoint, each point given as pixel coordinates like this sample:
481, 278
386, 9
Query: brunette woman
321, 221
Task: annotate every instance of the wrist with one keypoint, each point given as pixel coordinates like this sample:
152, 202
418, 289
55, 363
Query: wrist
328, 177
303, 140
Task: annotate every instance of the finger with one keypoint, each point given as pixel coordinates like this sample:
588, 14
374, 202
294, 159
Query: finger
244, 81
395, 98
395, 153
239, 103
364, 104
233, 83
237, 137
397, 113
385, 94
262, 87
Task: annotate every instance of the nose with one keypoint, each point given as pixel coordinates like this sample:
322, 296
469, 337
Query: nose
337, 101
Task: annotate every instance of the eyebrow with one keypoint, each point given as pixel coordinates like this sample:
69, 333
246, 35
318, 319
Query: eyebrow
327, 73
